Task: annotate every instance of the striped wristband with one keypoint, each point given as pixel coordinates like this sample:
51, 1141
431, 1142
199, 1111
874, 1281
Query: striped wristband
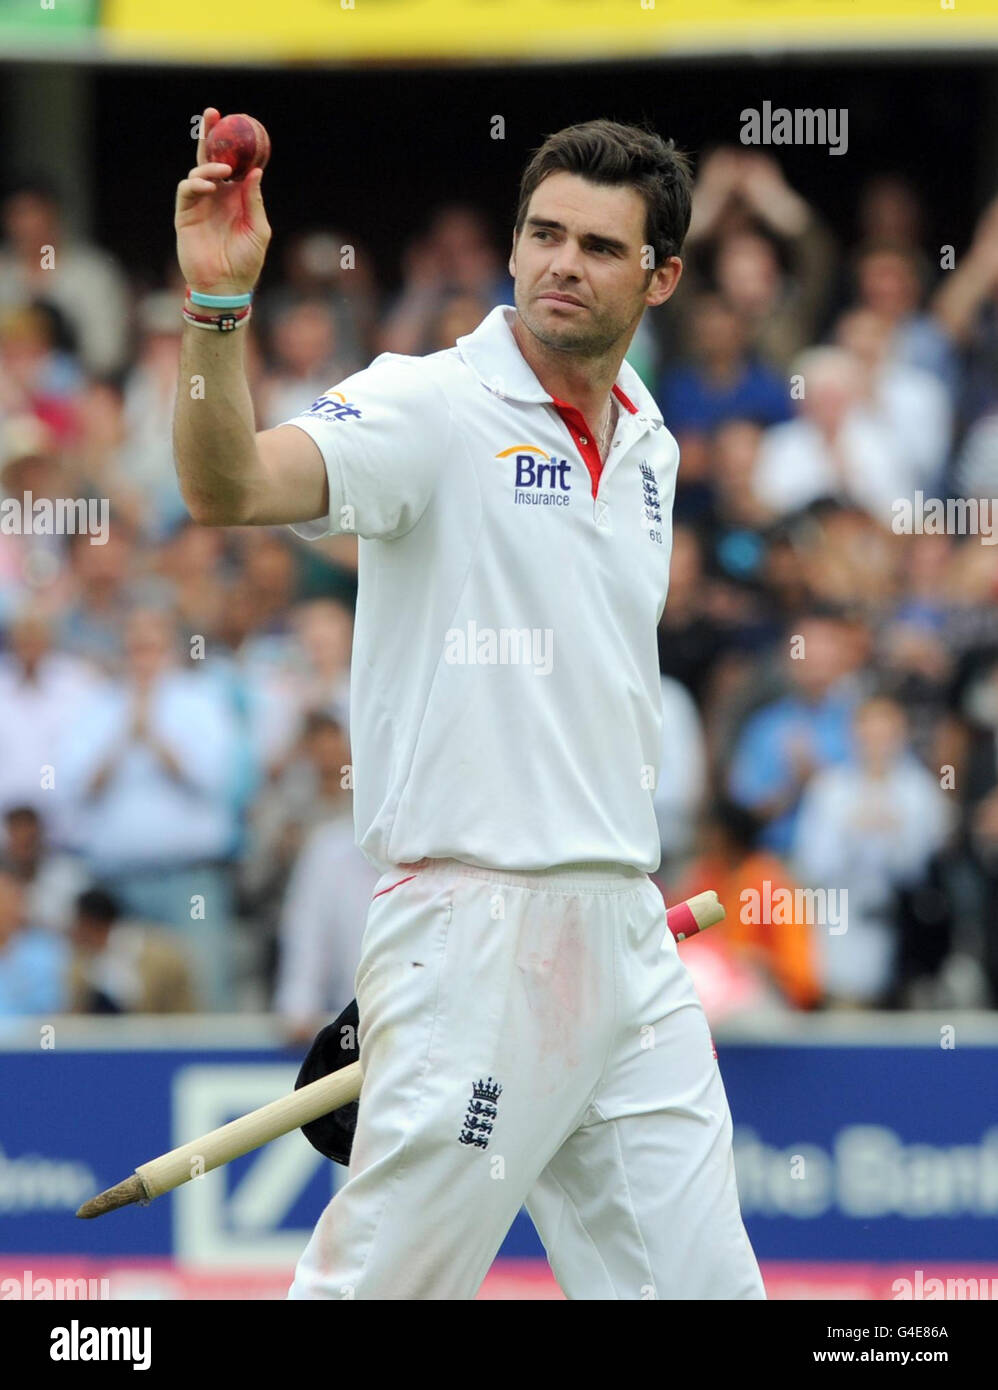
220, 323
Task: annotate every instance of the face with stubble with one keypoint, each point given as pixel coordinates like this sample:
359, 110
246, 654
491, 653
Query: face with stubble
581, 286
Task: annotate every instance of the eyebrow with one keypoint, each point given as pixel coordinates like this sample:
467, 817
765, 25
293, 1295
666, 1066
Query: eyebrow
587, 237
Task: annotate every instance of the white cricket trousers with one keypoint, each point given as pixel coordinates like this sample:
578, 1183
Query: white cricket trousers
531, 1037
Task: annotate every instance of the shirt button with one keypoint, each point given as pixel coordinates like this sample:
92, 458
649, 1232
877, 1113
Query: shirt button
583, 439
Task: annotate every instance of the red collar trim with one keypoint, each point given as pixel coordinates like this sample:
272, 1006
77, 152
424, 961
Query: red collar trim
580, 431
624, 401
583, 437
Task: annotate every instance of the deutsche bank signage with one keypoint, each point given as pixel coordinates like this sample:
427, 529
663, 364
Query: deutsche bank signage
842, 1152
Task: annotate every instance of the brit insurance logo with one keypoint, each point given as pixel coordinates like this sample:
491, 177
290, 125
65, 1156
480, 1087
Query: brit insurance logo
540, 480
333, 405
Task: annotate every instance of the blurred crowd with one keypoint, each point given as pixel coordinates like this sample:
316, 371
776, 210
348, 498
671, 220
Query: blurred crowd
175, 778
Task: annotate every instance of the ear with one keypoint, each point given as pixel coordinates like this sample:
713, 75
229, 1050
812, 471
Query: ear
663, 282
511, 266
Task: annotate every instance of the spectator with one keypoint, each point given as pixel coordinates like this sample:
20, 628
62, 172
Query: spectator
975, 473
190, 560
891, 281
455, 255
779, 943
335, 268
910, 401
33, 477
146, 456
869, 828
722, 382
287, 675
41, 690
270, 574
38, 375
890, 212
458, 316
324, 629
120, 967
307, 360
148, 778
313, 788
100, 450
39, 261
748, 216
834, 448
682, 771
322, 924
691, 641
979, 774
740, 520
51, 879
848, 561
32, 961
966, 308
783, 744
93, 616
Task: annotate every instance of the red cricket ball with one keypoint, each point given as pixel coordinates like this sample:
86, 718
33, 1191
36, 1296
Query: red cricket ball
239, 141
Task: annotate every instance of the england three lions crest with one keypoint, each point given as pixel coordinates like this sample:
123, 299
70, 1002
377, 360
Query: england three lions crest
481, 1114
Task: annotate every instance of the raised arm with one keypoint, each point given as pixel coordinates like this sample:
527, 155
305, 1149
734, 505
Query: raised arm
230, 474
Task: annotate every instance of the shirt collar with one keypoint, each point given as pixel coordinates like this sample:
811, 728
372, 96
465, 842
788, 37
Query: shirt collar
492, 353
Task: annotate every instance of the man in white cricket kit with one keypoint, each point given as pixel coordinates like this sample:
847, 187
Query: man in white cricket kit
528, 1032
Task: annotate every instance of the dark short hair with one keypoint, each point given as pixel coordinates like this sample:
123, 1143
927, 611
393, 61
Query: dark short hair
915, 259
320, 721
34, 185
737, 823
819, 611
608, 152
99, 905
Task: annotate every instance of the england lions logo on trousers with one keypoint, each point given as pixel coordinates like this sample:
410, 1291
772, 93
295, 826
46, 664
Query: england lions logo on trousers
482, 1111
540, 479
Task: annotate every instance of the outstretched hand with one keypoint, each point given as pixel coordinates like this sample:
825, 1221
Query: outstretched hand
222, 228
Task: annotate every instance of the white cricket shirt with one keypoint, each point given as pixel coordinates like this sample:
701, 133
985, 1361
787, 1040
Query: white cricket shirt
505, 697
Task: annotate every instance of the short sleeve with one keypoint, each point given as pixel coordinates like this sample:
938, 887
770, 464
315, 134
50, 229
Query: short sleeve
383, 434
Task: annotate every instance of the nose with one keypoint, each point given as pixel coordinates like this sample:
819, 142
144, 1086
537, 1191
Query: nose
566, 263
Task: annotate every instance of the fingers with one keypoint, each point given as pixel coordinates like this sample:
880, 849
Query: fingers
254, 203
189, 190
209, 117
214, 170
203, 178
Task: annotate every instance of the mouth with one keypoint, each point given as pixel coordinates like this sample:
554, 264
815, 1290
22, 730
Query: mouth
563, 299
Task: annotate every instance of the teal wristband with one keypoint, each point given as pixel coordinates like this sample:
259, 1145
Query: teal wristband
220, 301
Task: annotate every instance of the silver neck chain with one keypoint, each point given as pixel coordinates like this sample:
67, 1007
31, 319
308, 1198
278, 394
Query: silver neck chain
607, 430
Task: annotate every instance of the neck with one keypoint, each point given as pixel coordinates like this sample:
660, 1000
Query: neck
584, 382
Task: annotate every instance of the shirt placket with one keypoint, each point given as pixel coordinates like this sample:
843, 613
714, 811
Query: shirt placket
585, 442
